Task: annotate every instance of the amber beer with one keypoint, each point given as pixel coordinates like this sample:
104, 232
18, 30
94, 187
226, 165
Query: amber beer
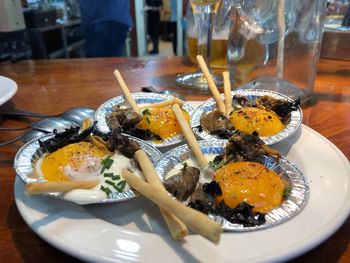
218, 51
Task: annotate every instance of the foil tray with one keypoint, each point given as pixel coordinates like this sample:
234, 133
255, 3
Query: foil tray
250, 94
27, 156
289, 208
140, 98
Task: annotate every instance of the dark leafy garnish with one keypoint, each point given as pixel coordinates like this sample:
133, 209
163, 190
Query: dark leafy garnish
146, 112
185, 165
286, 192
62, 139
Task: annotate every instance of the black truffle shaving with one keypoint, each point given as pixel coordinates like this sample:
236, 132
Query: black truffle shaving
242, 214
212, 188
62, 139
142, 134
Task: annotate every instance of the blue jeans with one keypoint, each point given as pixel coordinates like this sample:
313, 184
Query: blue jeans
106, 39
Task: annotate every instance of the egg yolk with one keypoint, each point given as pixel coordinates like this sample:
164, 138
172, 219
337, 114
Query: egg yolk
250, 119
252, 183
82, 155
161, 121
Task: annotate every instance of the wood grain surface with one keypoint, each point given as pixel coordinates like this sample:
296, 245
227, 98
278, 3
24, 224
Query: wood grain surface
52, 86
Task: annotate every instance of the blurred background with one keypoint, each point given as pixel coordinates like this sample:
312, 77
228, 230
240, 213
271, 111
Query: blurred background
48, 29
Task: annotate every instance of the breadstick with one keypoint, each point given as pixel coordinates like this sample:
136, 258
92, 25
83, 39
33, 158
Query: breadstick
177, 229
197, 221
126, 92
227, 92
162, 104
36, 188
191, 139
213, 89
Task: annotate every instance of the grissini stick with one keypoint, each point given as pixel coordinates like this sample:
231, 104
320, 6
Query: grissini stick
36, 188
177, 229
213, 89
190, 137
227, 92
126, 92
196, 221
162, 104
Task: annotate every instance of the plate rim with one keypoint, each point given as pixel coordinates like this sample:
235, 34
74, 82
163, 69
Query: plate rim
311, 240
12, 86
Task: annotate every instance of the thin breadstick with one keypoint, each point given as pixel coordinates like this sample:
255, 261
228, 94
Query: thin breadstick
36, 188
195, 220
227, 92
191, 139
162, 104
86, 123
126, 92
281, 34
213, 89
177, 229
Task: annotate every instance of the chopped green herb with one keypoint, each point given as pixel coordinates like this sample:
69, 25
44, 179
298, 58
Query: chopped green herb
224, 162
108, 174
184, 167
121, 184
286, 192
117, 188
115, 177
105, 159
106, 190
212, 165
146, 112
148, 120
106, 164
109, 182
130, 170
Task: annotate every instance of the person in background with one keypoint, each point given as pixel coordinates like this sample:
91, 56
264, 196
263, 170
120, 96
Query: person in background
106, 24
153, 22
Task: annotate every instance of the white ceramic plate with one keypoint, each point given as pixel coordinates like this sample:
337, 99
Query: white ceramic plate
124, 233
8, 88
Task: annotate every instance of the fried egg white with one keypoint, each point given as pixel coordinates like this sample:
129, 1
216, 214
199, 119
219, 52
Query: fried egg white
82, 161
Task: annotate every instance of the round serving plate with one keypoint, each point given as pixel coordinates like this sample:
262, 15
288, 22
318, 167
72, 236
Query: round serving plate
140, 98
26, 157
130, 231
251, 94
289, 208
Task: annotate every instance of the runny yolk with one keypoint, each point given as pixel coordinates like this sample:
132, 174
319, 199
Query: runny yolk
250, 119
76, 156
252, 183
161, 121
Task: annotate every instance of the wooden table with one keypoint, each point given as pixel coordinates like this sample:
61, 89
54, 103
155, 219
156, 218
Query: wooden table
53, 86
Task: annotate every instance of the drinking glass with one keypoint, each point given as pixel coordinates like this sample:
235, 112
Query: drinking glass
275, 45
204, 13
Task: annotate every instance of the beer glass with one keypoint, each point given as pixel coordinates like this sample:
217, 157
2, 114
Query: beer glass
221, 28
275, 45
204, 12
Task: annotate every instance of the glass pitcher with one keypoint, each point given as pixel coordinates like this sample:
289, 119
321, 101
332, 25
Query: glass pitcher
275, 45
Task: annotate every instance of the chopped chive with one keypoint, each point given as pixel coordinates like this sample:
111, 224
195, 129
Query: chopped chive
184, 167
148, 120
286, 192
106, 190
117, 188
109, 182
108, 163
105, 159
115, 177
121, 184
146, 112
108, 174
